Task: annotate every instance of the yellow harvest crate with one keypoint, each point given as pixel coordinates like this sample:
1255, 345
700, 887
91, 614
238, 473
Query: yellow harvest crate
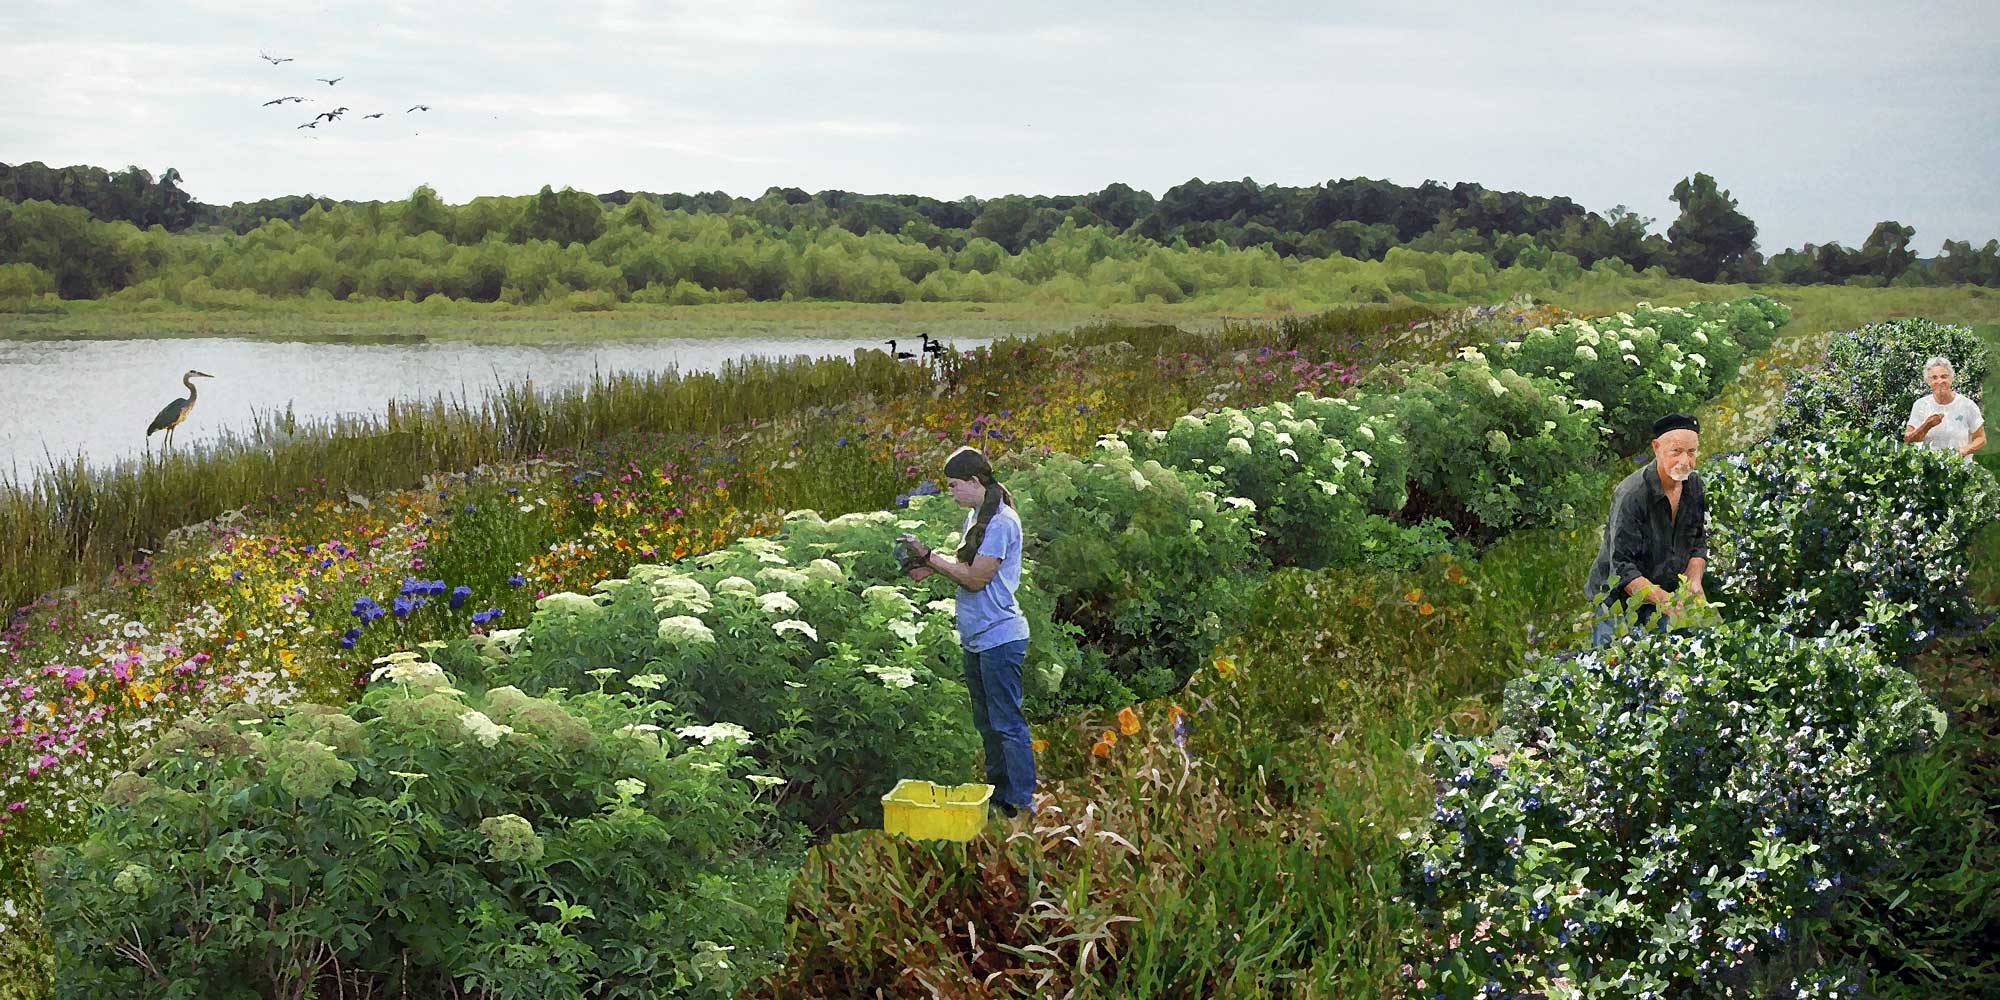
926, 811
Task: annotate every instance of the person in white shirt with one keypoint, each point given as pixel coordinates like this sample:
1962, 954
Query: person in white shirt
1945, 419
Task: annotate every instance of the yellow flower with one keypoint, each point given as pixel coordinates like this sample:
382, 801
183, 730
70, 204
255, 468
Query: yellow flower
1128, 721
1108, 737
1226, 666
1039, 746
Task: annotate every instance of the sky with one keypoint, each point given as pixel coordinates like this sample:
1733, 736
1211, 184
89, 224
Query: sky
1821, 119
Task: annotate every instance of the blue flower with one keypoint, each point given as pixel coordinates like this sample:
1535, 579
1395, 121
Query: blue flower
458, 596
516, 580
403, 607
349, 638
480, 618
842, 443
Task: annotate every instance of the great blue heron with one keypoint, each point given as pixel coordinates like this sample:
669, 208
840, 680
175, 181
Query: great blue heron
177, 411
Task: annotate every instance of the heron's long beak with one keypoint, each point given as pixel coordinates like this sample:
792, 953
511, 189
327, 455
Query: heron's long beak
203, 374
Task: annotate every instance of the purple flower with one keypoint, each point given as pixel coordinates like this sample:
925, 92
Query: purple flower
458, 596
349, 638
516, 580
403, 606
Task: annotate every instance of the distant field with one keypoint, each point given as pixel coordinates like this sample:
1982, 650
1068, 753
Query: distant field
1816, 308
401, 323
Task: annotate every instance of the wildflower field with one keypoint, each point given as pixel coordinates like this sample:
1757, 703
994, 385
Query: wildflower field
645, 653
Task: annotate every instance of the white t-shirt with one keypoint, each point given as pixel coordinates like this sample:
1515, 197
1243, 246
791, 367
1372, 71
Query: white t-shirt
1961, 420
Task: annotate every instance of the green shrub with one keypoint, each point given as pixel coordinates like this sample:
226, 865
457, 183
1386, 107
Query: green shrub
1854, 529
425, 842
1313, 466
1492, 450
847, 679
1149, 563
1872, 375
1666, 817
1639, 365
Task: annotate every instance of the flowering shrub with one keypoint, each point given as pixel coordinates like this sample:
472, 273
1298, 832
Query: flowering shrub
1852, 529
846, 674
1649, 361
1314, 467
1659, 818
1491, 449
1872, 375
1148, 562
425, 841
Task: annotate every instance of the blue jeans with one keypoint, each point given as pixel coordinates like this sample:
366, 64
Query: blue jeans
993, 676
1605, 628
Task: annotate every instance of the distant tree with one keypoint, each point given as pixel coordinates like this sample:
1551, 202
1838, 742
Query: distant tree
570, 216
1711, 238
1887, 251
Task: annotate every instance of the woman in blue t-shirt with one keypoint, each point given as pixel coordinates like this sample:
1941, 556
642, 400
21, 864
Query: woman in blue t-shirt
991, 627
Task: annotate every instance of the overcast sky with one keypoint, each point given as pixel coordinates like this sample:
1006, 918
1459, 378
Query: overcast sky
1821, 118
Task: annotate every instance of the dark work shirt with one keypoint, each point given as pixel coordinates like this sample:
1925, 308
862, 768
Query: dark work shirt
1646, 538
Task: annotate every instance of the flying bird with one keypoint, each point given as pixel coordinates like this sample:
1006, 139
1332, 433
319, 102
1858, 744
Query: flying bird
282, 100
273, 60
177, 411
420, 107
311, 124
328, 82
329, 115
377, 114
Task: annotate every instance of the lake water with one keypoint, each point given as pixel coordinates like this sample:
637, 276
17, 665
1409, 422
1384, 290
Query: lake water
95, 397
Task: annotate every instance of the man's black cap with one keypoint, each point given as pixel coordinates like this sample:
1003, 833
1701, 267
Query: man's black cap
1676, 422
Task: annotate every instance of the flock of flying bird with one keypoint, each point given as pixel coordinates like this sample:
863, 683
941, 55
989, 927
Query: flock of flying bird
331, 116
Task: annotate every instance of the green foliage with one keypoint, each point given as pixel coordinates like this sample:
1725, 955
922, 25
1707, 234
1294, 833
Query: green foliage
1711, 239
24, 281
425, 841
1315, 468
1661, 818
845, 677
1149, 563
1491, 449
86, 258
1873, 373
1850, 529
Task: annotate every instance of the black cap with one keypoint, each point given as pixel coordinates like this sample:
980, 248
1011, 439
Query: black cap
1676, 422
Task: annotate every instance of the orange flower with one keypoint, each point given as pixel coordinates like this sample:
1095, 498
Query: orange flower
1108, 737
1039, 746
1425, 608
1226, 666
1175, 714
1100, 749
1128, 721
1414, 595
1455, 575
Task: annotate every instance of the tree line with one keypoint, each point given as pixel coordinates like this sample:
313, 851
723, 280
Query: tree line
908, 236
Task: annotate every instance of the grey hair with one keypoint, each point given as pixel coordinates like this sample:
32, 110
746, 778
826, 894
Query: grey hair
1939, 362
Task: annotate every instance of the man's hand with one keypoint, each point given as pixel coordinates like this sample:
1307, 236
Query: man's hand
1932, 421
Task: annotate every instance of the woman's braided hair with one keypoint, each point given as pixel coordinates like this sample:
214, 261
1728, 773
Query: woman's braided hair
970, 463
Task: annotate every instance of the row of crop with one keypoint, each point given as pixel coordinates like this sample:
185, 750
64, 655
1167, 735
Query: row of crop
807, 650
1678, 815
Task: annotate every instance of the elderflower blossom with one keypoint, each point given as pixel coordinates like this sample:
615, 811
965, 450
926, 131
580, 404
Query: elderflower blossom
483, 729
709, 734
896, 677
685, 628
795, 625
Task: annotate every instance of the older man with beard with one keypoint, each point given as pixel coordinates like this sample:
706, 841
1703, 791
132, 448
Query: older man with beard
1658, 533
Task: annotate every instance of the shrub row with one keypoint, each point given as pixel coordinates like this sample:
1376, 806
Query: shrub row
1676, 815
